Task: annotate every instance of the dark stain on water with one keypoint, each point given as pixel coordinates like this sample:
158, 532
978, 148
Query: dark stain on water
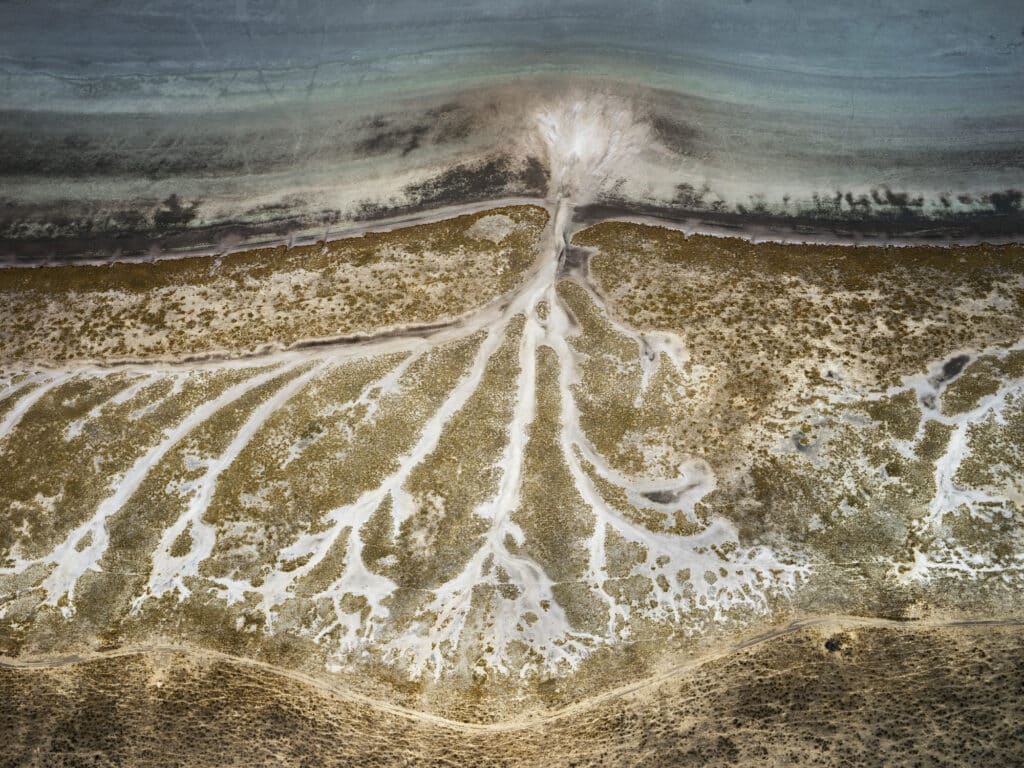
493, 178
676, 135
886, 214
387, 138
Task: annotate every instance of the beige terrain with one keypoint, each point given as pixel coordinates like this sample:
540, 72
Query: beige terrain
836, 694
465, 493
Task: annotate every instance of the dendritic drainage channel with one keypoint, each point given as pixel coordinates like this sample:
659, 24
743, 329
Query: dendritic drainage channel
596, 446
433, 503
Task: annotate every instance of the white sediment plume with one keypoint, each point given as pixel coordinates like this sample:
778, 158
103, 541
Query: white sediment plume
586, 138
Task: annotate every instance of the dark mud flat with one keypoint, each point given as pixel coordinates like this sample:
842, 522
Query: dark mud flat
1004, 223
130, 244
838, 694
167, 229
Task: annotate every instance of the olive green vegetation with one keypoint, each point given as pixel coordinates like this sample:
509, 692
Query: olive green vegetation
790, 384
461, 473
792, 349
272, 297
42, 501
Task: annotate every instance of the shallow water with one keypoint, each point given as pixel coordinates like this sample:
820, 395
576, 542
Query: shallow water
277, 118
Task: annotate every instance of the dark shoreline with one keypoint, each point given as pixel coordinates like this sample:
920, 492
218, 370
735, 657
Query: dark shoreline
478, 186
880, 229
464, 184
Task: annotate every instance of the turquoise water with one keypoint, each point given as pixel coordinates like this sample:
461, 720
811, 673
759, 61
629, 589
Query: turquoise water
248, 104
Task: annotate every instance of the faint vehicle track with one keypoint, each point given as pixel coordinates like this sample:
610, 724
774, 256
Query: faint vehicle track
839, 623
